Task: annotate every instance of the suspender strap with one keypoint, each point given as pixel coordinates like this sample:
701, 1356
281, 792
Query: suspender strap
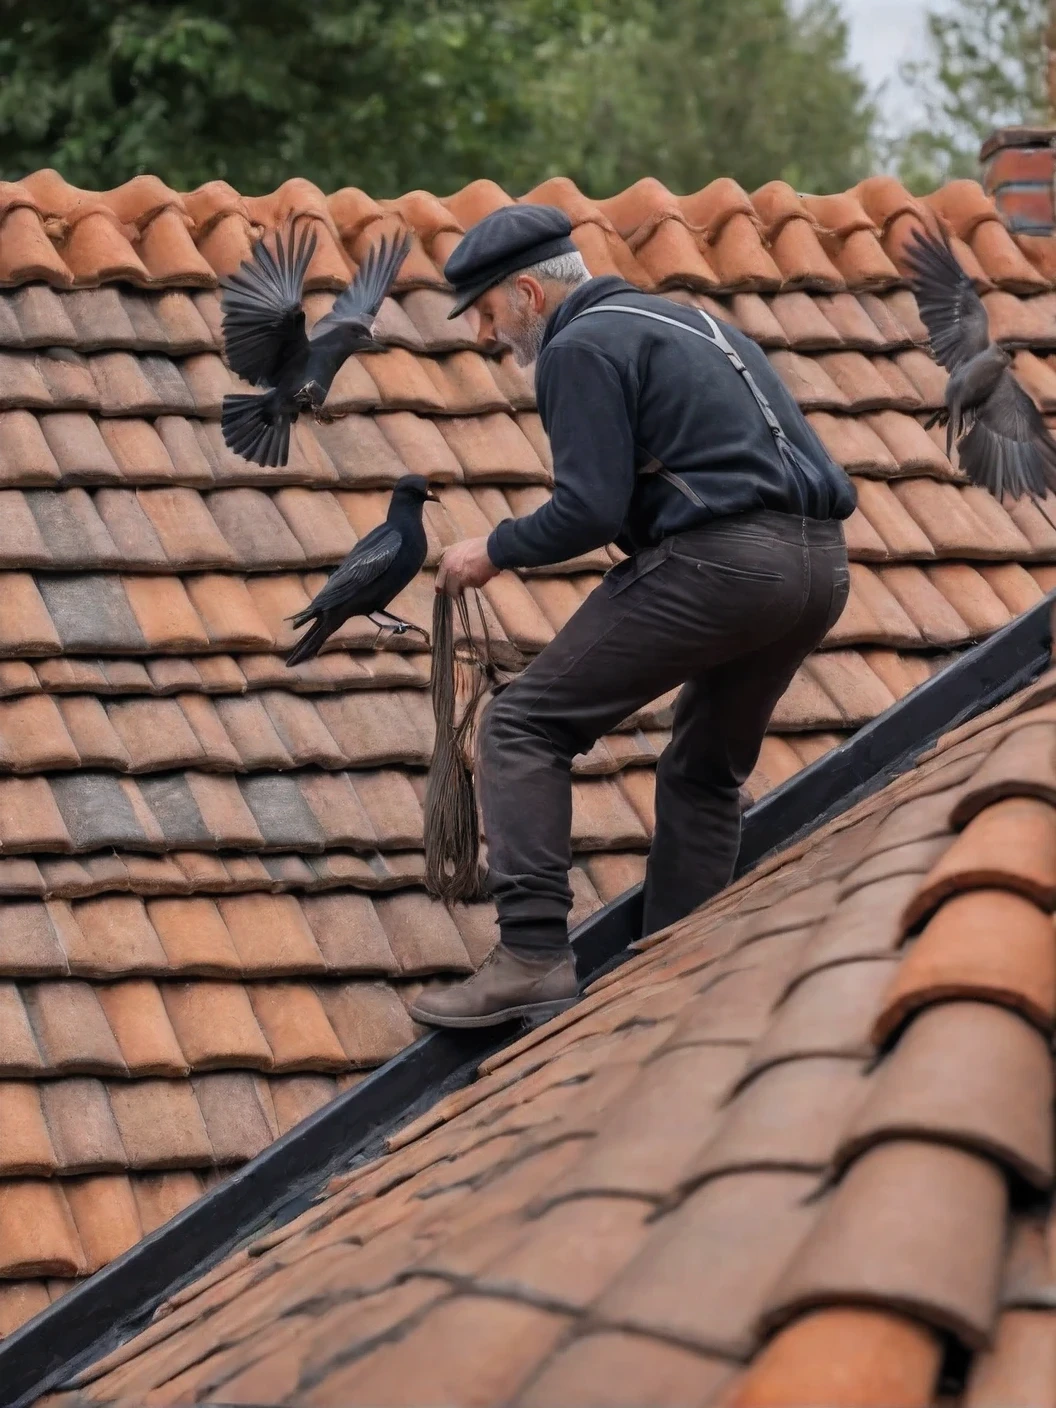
717, 338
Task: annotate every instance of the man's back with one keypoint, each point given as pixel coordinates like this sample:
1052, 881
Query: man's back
688, 409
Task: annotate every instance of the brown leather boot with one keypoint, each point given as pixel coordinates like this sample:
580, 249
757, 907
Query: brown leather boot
506, 985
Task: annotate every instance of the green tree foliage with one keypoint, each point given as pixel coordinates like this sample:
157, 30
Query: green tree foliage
392, 95
688, 90
984, 68
385, 94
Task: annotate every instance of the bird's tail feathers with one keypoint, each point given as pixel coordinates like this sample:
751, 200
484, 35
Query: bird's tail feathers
1046, 447
992, 462
253, 429
308, 647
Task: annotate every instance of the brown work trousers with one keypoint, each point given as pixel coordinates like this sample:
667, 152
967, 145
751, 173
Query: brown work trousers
729, 612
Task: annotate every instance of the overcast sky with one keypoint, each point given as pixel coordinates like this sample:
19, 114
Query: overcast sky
883, 33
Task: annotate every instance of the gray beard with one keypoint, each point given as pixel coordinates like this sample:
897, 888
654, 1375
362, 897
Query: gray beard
527, 342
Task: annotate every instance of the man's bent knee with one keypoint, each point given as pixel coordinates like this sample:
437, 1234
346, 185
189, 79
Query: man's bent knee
502, 725
508, 725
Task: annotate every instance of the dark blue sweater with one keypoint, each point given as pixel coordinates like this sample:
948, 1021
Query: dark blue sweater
616, 391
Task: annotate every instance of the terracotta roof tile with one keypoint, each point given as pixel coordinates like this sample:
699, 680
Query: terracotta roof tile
952, 1217
236, 1111
1010, 844
215, 1025
28, 253
890, 1358
809, 382
25, 1144
270, 934
492, 446
193, 936
29, 816
913, 1097
137, 1016
227, 610
756, 317
296, 1029
971, 596
869, 384
24, 384
621, 1368
105, 1213
27, 458
933, 616
38, 1232
92, 734
790, 1117
160, 1124
763, 1214
71, 1029
68, 379
370, 1021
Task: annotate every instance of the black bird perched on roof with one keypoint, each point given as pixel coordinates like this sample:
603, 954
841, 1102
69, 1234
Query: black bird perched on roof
377, 569
266, 342
1003, 443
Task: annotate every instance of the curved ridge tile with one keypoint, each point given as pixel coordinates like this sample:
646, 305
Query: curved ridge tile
914, 1227
934, 1085
792, 234
859, 1358
1010, 845
1023, 764
990, 945
26, 251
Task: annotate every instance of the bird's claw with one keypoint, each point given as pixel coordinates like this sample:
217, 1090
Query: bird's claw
398, 629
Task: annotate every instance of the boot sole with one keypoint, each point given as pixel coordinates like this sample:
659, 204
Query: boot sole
532, 1011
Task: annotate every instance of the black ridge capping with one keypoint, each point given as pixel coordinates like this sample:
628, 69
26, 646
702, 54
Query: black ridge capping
110, 1307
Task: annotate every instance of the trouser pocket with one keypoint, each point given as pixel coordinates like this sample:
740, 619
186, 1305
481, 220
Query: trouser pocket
633, 569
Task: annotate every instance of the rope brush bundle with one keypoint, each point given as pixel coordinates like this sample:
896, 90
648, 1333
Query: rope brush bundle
452, 838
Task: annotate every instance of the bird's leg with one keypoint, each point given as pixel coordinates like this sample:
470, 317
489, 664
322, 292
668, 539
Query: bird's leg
953, 426
311, 397
386, 621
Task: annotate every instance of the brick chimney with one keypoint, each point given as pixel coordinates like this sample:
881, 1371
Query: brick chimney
1019, 163
1019, 171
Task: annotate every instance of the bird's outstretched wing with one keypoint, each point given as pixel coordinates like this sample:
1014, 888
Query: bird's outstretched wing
263, 324
1009, 449
362, 299
363, 566
953, 312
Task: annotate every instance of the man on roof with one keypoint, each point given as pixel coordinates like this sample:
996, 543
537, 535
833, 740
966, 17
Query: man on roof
673, 437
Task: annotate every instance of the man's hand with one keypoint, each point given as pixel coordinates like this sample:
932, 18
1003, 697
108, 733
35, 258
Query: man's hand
465, 565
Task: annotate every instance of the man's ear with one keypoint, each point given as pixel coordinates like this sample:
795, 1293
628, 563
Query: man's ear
533, 290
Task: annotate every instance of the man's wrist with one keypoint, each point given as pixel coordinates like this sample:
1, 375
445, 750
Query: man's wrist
497, 554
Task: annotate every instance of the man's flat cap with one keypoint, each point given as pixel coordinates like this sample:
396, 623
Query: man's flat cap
512, 238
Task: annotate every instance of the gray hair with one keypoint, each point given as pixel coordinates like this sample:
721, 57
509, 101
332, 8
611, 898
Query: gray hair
567, 269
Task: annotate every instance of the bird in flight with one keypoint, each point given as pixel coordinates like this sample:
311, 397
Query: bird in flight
377, 569
1003, 443
267, 345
